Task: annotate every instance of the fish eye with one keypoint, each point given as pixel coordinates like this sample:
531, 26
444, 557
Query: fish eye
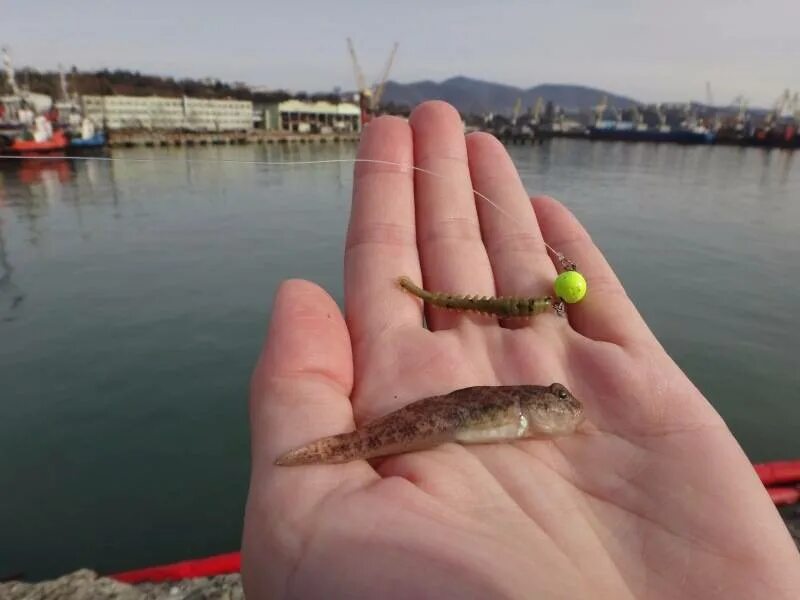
562, 393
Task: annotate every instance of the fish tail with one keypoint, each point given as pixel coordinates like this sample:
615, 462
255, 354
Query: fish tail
340, 448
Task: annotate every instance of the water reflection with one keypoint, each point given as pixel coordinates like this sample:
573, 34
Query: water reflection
11, 296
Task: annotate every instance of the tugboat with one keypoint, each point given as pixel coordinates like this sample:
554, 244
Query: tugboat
39, 139
28, 119
81, 130
87, 137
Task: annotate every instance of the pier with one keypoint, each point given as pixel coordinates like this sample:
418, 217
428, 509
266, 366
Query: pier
134, 138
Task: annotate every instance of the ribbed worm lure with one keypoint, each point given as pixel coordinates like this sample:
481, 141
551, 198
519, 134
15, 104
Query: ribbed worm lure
570, 287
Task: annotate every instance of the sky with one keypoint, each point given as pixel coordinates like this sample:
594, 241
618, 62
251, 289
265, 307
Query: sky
652, 51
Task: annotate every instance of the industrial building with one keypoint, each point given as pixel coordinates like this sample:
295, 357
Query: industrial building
309, 117
156, 112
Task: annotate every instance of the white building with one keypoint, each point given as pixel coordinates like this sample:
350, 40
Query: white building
157, 112
316, 117
218, 115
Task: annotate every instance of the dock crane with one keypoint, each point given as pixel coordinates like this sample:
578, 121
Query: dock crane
66, 95
600, 109
662, 118
538, 108
370, 97
714, 121
516, 111
777, 111
9, 69
740, 103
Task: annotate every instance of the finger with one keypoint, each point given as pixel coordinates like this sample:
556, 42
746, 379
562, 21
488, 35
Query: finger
510, 230
300, 386
381, 242
605, 313
451, 250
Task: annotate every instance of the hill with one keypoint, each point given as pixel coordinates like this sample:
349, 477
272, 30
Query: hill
473, 96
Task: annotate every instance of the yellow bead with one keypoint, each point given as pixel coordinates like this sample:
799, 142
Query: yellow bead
570, 286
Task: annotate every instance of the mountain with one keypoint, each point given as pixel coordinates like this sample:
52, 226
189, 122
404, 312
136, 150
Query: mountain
473, 96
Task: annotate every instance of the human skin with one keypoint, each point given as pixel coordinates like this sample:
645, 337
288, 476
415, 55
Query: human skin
654, 499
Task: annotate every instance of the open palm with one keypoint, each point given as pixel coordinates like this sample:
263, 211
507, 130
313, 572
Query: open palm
652, 498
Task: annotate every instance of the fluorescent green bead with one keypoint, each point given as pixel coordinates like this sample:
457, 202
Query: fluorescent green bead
570, 286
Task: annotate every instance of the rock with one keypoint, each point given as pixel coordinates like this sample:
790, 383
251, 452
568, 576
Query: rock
80, 585
87, 585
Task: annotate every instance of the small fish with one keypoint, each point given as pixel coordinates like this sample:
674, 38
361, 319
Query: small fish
473, 415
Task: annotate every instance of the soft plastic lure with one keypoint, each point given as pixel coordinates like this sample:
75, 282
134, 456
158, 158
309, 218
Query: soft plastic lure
570, 287
503, 306
474, 415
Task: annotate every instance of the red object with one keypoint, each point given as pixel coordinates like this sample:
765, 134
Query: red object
57, 142
781, 471
33, 171
784, 495
220, 564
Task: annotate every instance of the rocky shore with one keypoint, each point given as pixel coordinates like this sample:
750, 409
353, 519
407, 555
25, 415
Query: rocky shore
87, 585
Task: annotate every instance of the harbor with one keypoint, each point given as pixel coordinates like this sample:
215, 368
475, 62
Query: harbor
163, 261
204, 219
34, 122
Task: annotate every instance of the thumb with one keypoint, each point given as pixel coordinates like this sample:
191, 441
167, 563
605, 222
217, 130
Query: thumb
299, 392
301, 384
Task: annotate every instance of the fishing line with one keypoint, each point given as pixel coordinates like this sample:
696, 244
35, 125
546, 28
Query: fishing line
269, 163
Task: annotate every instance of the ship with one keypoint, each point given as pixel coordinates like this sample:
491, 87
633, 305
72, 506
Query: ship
636, 130
628, 131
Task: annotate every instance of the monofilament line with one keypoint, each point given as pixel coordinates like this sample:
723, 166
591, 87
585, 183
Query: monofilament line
276, 163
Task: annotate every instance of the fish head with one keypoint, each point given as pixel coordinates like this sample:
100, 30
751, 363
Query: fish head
552, 411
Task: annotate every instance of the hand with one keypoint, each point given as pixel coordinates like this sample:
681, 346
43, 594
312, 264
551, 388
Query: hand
653, 498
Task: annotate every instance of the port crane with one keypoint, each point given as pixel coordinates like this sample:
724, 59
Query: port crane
662, 118
9, 69
740, 119
714, 121
516, 111
777, 111
66, 96
370, 97
600, 109
536, 113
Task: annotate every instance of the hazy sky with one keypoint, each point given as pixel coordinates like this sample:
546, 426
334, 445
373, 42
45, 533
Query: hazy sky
653, 51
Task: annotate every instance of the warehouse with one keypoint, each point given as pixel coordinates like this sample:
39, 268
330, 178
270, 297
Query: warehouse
157, 112
310, 117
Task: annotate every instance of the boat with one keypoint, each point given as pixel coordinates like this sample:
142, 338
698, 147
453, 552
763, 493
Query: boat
98, 140
628, 131
88, 137
20, 146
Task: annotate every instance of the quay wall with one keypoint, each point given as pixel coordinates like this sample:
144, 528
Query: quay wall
132, 138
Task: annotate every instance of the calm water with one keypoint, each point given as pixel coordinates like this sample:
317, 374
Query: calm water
134, 296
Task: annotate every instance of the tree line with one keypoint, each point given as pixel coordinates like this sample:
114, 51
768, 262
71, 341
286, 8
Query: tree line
134, 83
